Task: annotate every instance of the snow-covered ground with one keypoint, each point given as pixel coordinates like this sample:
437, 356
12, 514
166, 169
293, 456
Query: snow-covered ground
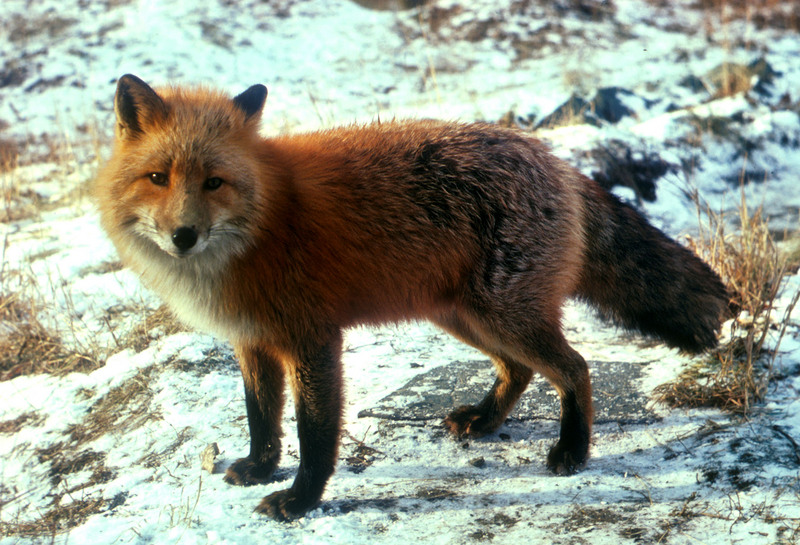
123, 442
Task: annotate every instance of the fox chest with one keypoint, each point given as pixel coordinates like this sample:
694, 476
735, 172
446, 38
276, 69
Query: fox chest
200, 303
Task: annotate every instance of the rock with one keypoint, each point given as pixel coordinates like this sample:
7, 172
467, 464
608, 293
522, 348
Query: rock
208, 460
766, 75
389, 5
431, 395
763, 70
693, 83
572, 112
609, 104
618, 164
479, 462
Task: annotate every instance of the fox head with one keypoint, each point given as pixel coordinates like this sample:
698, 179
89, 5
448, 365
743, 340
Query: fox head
183, 179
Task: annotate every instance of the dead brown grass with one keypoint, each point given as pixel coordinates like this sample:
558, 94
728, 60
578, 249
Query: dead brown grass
155, 324
27, 347
73, 156
777, 14
9, 155
67, 509
17, 202
23, 29
155, 458
730, 78
748, 260
736, 374
123, 408
55, 520
14, 425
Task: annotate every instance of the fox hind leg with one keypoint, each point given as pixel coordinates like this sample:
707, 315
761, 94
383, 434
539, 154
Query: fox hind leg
485, 417
547, 352
525, 348
568, 373
512, 379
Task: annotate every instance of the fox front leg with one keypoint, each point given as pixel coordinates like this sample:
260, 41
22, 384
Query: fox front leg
316, 382
263, 377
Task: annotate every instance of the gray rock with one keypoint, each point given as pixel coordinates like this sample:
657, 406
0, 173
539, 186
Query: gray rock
432, 395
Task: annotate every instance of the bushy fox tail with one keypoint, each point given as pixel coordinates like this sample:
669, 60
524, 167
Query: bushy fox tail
642, 280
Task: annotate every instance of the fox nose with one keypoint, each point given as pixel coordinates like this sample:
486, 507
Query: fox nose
184, 238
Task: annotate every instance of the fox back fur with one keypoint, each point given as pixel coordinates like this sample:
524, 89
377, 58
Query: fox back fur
278, 244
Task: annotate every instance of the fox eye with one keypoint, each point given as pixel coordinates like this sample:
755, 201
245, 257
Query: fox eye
158, 178
213, 183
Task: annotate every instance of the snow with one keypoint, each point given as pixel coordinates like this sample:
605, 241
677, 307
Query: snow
697, 475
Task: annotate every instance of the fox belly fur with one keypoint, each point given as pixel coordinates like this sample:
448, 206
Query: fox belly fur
278, 244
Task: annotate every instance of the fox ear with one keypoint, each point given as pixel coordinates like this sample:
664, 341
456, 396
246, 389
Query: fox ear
251, 102
136, 103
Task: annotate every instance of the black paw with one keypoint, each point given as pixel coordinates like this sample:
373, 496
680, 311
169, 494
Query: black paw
469, 421
286, 505
566, 459
246, 472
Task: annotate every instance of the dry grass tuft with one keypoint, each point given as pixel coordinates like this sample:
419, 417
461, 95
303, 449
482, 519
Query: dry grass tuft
748, 261
57, 519
730, 78
777, 14
16, 424
28, 348
18, 203
71, 156
123, 408
155, 324
728, 380
9, 155
736, 374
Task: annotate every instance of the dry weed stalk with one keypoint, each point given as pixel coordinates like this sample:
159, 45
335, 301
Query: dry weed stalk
736, 374
17, 202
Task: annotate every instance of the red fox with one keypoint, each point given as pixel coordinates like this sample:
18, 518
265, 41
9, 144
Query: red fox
278, 244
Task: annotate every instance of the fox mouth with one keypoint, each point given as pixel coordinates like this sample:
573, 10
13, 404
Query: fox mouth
185, 253
167, 245
182, 254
